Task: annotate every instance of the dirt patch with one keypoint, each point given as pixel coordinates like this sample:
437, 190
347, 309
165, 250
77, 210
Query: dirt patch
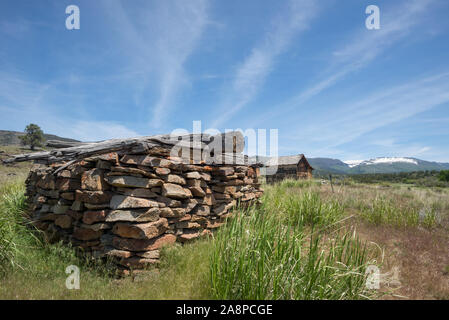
417, 257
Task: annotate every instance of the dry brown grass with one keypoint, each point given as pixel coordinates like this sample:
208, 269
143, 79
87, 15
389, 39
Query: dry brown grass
16, 171
421, 256
419, 251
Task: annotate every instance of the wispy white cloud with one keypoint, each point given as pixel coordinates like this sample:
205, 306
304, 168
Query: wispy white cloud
347, 121
24, 101
363, 48
83, 130
160, 41
251, 74
98, 130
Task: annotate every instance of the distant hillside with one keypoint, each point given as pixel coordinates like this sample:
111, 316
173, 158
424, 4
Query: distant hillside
377, 165
325, 165
9, 138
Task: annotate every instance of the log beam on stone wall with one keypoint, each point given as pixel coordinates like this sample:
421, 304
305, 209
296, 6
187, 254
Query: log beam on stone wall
230, 141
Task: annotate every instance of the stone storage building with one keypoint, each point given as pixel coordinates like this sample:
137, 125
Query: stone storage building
124, 199
293, 167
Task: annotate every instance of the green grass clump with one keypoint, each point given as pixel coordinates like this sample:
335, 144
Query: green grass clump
13, 234
301, 206
385, 211
22, 247
256, 256
309, 209
295, 183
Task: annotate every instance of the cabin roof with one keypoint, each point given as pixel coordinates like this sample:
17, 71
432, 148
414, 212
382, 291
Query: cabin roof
285, 160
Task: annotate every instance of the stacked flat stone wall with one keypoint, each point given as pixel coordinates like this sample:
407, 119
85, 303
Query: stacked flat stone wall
127, 206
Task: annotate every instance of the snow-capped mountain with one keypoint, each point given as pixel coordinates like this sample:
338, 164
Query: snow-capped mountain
376, 165
353, 163
390, 160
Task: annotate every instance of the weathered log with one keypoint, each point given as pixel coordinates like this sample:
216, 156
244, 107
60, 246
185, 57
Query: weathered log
230, 141
58, 144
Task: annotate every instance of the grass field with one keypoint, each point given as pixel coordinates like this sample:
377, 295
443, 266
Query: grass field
304, 241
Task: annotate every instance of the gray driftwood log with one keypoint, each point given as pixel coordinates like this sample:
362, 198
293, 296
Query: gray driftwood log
231, 142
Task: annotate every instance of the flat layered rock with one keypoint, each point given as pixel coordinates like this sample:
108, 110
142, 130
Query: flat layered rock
213, 224
54, 194
193, 182
68, 195
93, 197
96, 226
154, 254
77, 206
223, 208
223, 171
99, 206
190, 204
142, 215
138, 262
139, 192
112, 252
188, 225
172, 212
90, 217
173, 178
189, 235
146, 161
126, 202
175, 191
93, 180
46, 182
64, 184
201, 210
141, 230
86, 234
132, 171
162, 171
197, 192
171, 203
60, 209
143, 244
193, 175
64, 221
133, 182
46, 216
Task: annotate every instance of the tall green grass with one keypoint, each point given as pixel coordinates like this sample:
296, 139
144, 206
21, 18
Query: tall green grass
256, 256
275, 251
24, 249
383, 210
309, 209
13, 234
300, 205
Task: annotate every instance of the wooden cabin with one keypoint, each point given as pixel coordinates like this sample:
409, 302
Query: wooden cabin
293, 167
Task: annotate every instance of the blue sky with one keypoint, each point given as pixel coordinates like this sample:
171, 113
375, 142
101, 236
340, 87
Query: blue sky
308, 68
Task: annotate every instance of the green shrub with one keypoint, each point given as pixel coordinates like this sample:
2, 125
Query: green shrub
444, 175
